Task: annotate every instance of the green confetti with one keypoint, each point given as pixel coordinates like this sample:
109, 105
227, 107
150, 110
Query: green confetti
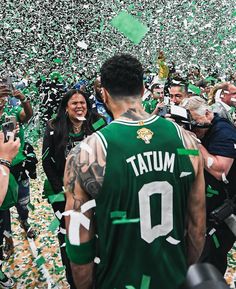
145, 282
57, 60
216, 241
125, 221
98, 124
211, 191
130, 27
102, 25
118, 214
40, 261
1, 275
54, 225
60, 197
194, 89
45, 154
187, 152
31, 207
209, 195
60, 269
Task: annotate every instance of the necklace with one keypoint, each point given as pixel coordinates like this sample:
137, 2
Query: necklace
77, 128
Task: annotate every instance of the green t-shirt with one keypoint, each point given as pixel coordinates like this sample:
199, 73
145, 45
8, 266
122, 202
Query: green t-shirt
16, 112
150, 105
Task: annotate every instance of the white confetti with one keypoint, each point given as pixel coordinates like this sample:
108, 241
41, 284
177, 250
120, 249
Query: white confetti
172, 241
76, 220
97, 260
63, 231
185, 174
212, 231
82, 44
58, 215
224, 179
210, 162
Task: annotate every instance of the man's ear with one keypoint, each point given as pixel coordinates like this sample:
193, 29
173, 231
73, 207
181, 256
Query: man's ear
208, 114
142, 91
105, 94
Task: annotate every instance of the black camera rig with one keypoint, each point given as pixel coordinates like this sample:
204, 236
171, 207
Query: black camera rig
181, 116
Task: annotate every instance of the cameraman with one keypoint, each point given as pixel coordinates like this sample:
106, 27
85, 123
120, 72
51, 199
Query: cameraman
7, 152
21, 114
218, 138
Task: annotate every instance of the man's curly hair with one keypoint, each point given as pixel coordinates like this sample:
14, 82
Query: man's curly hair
122, 76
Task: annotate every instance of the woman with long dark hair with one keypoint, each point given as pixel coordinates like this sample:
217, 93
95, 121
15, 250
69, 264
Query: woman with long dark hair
74, 121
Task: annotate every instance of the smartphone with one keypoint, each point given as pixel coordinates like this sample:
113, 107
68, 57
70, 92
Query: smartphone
11, 118
7, 129
7, 81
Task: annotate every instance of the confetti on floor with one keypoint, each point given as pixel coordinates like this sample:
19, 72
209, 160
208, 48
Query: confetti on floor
22, 265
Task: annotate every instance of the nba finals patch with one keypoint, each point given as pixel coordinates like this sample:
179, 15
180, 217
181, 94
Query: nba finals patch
145, 134
141, 122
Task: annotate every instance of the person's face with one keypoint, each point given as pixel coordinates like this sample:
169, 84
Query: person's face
177, 94
76, 107
207, 89
97, 88
206, 118
158, 93
229, 97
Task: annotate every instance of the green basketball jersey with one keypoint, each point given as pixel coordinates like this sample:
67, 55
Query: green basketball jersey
141, 207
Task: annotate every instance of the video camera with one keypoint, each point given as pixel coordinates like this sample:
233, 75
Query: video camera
204, 276
220, 214
181, 116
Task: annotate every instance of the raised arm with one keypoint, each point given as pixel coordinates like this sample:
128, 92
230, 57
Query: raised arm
27, 110
7, 152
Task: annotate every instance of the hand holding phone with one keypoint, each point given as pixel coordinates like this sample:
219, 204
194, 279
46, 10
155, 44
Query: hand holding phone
8, 130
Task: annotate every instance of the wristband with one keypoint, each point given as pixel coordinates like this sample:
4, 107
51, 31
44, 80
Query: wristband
81, 254
5, 163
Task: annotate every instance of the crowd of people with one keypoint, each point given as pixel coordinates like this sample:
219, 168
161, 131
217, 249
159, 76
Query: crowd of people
141, 160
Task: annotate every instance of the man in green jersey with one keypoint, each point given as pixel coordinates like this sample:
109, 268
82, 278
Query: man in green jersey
135, 197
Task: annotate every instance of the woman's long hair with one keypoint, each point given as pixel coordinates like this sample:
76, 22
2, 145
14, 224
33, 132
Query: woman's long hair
62, 125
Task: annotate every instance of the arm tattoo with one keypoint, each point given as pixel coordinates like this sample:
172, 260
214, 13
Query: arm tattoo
78, 203
86, 168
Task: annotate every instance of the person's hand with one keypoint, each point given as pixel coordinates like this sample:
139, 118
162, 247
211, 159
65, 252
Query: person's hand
9, 149
156, 110
17, 94
168, 117
17, 129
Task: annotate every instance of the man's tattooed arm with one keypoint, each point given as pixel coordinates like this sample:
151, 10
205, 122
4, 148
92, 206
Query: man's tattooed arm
85, 166
83, 178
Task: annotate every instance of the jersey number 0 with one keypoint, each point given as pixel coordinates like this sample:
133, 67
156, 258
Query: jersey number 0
149, 233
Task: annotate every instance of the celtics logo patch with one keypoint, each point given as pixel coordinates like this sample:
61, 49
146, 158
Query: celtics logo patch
145, 134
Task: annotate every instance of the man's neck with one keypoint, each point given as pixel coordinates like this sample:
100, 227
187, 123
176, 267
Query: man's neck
130, 110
